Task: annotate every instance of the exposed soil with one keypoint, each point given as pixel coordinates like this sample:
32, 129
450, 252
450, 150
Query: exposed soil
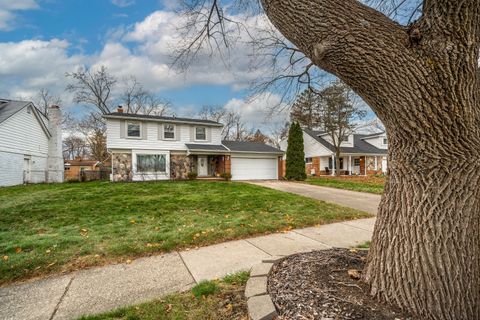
317, 285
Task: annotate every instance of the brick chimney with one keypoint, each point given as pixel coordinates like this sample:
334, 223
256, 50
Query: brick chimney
55, 155
120, 109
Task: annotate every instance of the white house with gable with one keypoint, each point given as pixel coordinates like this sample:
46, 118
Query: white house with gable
149, 147
30, 144
360, 154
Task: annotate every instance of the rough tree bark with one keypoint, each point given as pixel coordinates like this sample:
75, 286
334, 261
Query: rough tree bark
422, 82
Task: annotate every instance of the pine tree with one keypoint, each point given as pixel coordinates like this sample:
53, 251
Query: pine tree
295, 154
305, 109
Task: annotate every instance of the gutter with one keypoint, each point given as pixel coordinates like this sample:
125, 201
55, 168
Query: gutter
163, 120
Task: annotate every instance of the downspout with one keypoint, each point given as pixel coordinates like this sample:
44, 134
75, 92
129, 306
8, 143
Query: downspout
111, 161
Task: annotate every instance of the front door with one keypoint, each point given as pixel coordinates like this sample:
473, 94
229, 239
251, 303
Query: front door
202, 166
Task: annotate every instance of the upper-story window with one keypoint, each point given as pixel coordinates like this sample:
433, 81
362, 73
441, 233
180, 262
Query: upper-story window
133, 130
345, 139
308, 160
385, 141
200, 133
169, 131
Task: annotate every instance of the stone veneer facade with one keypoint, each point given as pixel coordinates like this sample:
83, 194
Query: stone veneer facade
371, 165
181, 165
122, 167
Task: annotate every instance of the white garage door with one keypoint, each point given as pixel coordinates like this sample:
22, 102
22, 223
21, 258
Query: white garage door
254, 168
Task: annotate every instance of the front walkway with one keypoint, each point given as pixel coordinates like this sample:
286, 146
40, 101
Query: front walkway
104, 288
358, 200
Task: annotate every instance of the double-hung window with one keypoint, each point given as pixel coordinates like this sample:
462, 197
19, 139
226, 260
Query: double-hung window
200, 133
151, 163
133, 130
169, 131
385, 141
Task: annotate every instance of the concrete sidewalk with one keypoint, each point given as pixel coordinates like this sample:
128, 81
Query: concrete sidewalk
105, 288
367, 202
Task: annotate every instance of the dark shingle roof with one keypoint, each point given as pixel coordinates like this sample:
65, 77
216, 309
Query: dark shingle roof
206, 147
360, 146
9, 107
247, 146
161, 118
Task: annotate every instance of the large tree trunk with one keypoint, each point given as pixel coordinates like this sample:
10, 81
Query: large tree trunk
423, 83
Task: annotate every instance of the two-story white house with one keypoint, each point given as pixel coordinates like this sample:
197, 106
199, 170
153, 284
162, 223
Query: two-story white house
360, 154
147, 147
30, 144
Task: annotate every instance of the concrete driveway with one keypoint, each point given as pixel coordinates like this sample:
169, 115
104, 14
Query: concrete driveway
357, 200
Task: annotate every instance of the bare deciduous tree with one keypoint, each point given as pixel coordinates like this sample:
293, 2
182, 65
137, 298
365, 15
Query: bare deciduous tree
136, 99
258, 136
94, 130
75, 146
233, 126
93, 87
419, 73
44, 99
337, 114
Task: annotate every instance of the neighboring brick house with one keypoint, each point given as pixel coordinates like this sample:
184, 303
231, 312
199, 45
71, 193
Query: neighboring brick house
146, 147
361, 154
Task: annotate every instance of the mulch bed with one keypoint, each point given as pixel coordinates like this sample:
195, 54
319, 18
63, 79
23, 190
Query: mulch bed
317, 285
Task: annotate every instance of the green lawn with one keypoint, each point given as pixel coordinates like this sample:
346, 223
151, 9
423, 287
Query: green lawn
362, 184
213, 300
53, 228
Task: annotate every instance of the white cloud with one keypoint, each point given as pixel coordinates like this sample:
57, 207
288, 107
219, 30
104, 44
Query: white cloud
265, 111
27, 66
123, 3
142, 50
154, 38
170, 4
7, 12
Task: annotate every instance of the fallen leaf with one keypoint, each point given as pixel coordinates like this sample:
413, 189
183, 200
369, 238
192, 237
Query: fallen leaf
133, 221
353, 250
129, 261
48, 251
168, 308
18, 250
5, 258
354, 274
84, 230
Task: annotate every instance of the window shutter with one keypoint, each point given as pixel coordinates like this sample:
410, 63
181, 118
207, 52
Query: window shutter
192, 133
160, 131
208, 133
123, 125
177, 132
144, 126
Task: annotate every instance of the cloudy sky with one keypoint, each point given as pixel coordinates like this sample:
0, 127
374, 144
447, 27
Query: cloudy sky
41, 40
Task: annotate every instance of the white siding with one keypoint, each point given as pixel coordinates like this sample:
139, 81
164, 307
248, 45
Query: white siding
22, 135
346, 144
313, 148
152, 142
378, 141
